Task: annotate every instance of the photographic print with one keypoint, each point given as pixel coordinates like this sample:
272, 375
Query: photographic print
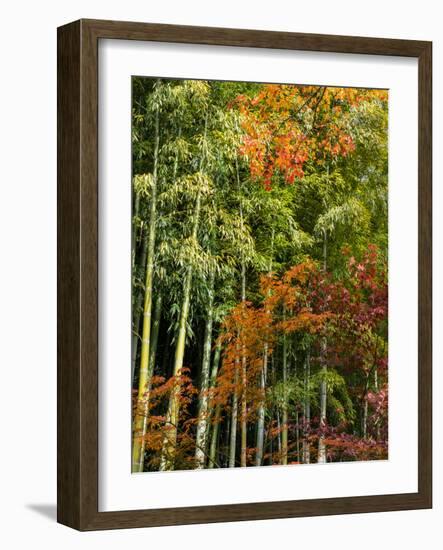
259, 274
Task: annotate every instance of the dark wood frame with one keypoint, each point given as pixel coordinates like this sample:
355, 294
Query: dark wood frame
77, 457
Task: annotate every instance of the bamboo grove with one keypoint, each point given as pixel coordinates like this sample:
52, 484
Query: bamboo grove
259, 286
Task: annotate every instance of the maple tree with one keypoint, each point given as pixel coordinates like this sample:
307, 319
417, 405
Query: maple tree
288, 126
259, 261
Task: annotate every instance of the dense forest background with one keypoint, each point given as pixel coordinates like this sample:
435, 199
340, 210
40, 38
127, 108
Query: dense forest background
259, 254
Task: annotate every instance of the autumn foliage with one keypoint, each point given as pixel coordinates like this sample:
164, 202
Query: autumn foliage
303, 302
260, 279
287, 126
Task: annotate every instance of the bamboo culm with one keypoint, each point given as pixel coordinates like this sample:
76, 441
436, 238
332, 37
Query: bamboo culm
323, 383
262, 379
170, 439
200, 449
138, 313
217, 418
140, 417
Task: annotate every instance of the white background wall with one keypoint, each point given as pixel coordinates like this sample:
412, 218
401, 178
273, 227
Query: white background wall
28, 270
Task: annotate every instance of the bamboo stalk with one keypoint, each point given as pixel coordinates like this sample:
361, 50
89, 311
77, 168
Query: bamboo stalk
200, 450
140, 417
172, 417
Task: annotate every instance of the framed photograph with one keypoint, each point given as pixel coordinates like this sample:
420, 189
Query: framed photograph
244, 275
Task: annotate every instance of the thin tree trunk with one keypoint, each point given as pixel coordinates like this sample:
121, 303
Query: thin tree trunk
137, 312
226, 447
158, 305
234, 415
377, 433
307, 410
323, 403
155, 328
261, 410
323, 386
271, 442
297, 436
214, 438
212, 385
172, 416
364, 427
244, 427
140, 418
284, 435
216, 422
170, 439
134, 231
269, 438
166, 360
200, 449
137, 304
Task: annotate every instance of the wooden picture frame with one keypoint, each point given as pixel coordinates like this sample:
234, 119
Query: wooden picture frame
78, 274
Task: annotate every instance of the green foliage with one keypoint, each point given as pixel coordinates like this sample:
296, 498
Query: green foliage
223, 226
